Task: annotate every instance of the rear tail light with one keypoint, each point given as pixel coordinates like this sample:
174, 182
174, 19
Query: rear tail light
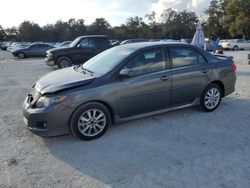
233, 67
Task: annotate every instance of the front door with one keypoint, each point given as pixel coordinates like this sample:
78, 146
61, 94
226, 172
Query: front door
84, 51
148, 87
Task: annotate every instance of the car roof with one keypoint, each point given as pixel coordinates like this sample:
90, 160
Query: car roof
141, 45
95, 36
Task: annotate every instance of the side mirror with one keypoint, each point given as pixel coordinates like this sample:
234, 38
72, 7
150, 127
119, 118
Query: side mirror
125, 73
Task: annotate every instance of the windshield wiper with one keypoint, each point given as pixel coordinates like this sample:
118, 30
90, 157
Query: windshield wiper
84, 70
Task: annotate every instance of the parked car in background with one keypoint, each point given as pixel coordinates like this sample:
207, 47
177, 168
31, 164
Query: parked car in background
128, 41
168, 40
64, 44
5, 45
127, 82
188, 41
80, 50
33, 50
235, 44
210, 44
116, 43
18, 46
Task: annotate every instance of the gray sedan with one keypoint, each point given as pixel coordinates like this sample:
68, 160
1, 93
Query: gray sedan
127, 82
33, 50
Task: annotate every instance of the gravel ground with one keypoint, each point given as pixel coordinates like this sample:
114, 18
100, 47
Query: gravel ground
185, 148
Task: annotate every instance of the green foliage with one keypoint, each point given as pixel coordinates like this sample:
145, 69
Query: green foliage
30, 31
179, 25
225, 19
2, 34
237, 18
228, 18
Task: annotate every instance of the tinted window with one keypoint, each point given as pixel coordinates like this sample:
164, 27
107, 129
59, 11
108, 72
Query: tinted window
101, 43
182, 57
35, 46
87, 43
147, 62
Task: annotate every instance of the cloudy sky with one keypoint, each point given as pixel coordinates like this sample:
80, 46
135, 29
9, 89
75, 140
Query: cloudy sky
13, 12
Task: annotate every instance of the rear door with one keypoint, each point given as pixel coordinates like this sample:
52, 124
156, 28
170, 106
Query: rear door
101, 44
149, 86
42, 48
189, 72
33, 50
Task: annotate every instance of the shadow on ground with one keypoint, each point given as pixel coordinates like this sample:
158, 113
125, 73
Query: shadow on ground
167, 150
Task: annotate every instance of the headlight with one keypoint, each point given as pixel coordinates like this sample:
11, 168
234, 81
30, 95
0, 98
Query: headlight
45, 102
49, 55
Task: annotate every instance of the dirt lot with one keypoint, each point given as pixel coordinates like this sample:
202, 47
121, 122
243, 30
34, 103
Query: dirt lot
185, 148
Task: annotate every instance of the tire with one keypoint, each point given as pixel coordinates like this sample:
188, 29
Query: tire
90, 121
64, 62
210, 98
21, 55
235, 48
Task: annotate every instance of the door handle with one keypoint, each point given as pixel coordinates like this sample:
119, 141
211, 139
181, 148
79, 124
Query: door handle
204, 71
164, 78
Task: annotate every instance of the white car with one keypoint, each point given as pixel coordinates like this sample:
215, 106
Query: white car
235, 44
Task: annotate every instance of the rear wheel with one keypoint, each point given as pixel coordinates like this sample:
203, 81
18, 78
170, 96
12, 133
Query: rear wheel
90, 121
21, 55
235, 48
64, 62
210, 97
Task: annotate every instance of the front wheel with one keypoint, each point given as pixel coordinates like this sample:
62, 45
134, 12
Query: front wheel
210, 98
90, 121
235, 48
63, 62
20, 55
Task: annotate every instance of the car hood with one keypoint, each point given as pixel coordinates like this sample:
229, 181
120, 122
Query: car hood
57, 49
62, 79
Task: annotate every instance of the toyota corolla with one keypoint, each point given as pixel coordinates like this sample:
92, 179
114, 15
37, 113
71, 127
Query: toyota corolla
127, 82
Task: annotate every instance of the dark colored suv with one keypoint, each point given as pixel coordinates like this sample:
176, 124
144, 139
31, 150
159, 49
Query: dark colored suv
78, 52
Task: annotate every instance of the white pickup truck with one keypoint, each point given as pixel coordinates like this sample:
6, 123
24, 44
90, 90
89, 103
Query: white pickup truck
235, 44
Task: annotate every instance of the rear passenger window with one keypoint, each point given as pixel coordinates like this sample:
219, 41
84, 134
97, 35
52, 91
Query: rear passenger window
101, 43
182, 57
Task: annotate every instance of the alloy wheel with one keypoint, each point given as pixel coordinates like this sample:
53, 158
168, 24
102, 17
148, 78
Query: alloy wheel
92, 122
212, 98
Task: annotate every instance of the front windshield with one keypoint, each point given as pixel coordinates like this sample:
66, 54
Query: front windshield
107, 60
74, 43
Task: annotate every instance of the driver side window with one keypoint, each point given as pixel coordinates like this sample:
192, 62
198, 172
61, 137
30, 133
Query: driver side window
147, 62
87, 43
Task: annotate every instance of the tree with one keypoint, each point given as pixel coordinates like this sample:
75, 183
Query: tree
156, 28
179, 25
100, 26
136, 28
77, 28
12, 34
30, 32
2, 34
237, 18
215, 25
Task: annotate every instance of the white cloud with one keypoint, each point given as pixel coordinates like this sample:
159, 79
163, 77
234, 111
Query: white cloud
116, 12
197, 6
